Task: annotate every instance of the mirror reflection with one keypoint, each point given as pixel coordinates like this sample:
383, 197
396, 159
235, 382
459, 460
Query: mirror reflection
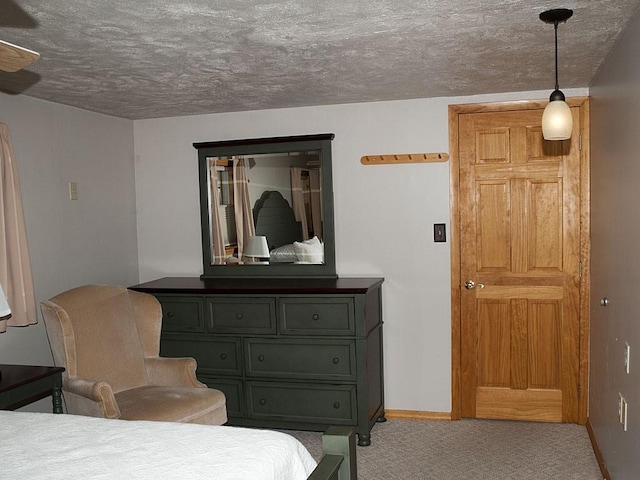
266, 208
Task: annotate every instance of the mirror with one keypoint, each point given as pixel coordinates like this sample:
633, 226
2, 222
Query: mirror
266, 207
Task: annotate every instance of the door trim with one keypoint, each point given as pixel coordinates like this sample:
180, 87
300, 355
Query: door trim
454, 171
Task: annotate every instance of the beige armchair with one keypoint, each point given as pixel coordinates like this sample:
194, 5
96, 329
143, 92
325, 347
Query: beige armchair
108, 340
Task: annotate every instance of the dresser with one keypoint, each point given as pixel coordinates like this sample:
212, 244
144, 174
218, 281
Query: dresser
288, 353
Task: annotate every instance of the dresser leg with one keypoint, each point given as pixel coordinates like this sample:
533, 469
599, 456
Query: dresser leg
364, 439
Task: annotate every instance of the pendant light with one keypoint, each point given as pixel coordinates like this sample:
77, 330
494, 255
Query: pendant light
557, 121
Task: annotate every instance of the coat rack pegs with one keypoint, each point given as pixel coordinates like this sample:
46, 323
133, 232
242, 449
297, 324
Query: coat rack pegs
404, 158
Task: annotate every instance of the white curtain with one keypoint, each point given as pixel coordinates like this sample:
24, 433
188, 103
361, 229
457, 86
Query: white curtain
15, 266
316, 202
245, 227
218, 247
297, 199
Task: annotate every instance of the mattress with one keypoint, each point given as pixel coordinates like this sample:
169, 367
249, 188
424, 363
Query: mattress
48, 446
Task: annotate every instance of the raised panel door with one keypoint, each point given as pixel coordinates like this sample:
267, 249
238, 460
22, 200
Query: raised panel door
520, 245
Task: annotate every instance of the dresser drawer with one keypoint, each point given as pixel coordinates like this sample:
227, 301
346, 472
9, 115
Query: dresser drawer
181, 314
233, 392
241, 314
220, 355
317, 316
329, 404
312, 359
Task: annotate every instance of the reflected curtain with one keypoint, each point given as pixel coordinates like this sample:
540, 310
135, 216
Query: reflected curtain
217, 249
245, 227
15, 265
297, 199
316, 202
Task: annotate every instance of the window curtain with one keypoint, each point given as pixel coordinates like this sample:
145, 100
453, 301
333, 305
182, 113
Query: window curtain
316, 202
217, 249
15, 266
297, 199
245, 227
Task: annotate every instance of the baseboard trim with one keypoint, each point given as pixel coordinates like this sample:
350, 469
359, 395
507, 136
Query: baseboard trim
597, 451
417, 415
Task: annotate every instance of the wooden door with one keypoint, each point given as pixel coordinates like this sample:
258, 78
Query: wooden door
519, 217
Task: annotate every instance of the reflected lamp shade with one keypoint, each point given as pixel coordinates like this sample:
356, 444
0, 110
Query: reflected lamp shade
257, 247
5, 311
557, 121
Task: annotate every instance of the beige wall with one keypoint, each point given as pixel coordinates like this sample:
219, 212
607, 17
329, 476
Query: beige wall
615, 187
92, 239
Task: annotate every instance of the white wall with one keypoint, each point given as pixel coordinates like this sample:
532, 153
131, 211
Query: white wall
615, 262
89, 240
384, 214
384, 217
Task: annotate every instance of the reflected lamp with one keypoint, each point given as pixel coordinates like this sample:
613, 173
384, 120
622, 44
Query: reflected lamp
257, 249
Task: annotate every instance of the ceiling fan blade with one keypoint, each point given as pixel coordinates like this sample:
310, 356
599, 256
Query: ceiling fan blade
14, 58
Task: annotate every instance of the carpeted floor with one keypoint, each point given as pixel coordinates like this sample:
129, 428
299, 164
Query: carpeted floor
471, 449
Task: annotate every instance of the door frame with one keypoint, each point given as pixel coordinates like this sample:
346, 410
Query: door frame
456, 282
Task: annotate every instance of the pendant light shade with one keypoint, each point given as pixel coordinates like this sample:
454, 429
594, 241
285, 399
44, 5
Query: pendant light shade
557, 121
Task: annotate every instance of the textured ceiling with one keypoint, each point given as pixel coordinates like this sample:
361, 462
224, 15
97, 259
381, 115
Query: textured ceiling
161, 58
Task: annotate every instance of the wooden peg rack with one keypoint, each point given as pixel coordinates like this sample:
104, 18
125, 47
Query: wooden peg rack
404, 158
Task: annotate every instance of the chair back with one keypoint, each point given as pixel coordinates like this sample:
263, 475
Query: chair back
94, 334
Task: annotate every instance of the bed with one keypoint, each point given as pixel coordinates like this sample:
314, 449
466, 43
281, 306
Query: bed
50, 446
274, 218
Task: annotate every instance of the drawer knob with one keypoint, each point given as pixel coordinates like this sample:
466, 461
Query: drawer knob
315, 316
336, 360
261, 358
336, 405
263, 401
170, 314
223, 356
239, 316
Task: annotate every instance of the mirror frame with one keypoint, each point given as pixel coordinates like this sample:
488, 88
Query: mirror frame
255, 146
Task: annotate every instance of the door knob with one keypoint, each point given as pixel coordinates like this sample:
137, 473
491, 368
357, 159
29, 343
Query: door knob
470, 285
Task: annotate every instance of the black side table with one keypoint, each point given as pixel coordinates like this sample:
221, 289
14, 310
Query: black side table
21, 385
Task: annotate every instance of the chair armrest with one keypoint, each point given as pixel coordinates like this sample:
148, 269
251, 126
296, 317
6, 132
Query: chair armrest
88, 397
179, 372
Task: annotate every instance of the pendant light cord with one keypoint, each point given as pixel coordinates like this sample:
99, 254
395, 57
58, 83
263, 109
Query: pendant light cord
555, 25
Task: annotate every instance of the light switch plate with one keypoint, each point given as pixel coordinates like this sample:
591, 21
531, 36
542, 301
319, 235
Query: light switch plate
439, 232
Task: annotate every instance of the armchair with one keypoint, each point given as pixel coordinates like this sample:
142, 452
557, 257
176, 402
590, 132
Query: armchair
108, 339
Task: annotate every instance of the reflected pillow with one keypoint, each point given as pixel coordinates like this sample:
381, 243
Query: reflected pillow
309, 251
283, 254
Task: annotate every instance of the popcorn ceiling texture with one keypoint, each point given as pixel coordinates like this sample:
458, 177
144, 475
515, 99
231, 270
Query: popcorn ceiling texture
160, 58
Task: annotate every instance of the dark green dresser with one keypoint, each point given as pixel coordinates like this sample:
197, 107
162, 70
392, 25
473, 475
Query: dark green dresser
288, 353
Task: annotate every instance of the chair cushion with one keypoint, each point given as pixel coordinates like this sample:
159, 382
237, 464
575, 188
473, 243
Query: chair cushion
173, 404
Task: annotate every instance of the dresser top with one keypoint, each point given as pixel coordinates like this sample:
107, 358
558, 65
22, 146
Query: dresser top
259, 285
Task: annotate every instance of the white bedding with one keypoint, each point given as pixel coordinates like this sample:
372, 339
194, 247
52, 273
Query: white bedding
48, 446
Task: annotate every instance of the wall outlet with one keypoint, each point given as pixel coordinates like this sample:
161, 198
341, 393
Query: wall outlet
73, 190
623, 408
627, 357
